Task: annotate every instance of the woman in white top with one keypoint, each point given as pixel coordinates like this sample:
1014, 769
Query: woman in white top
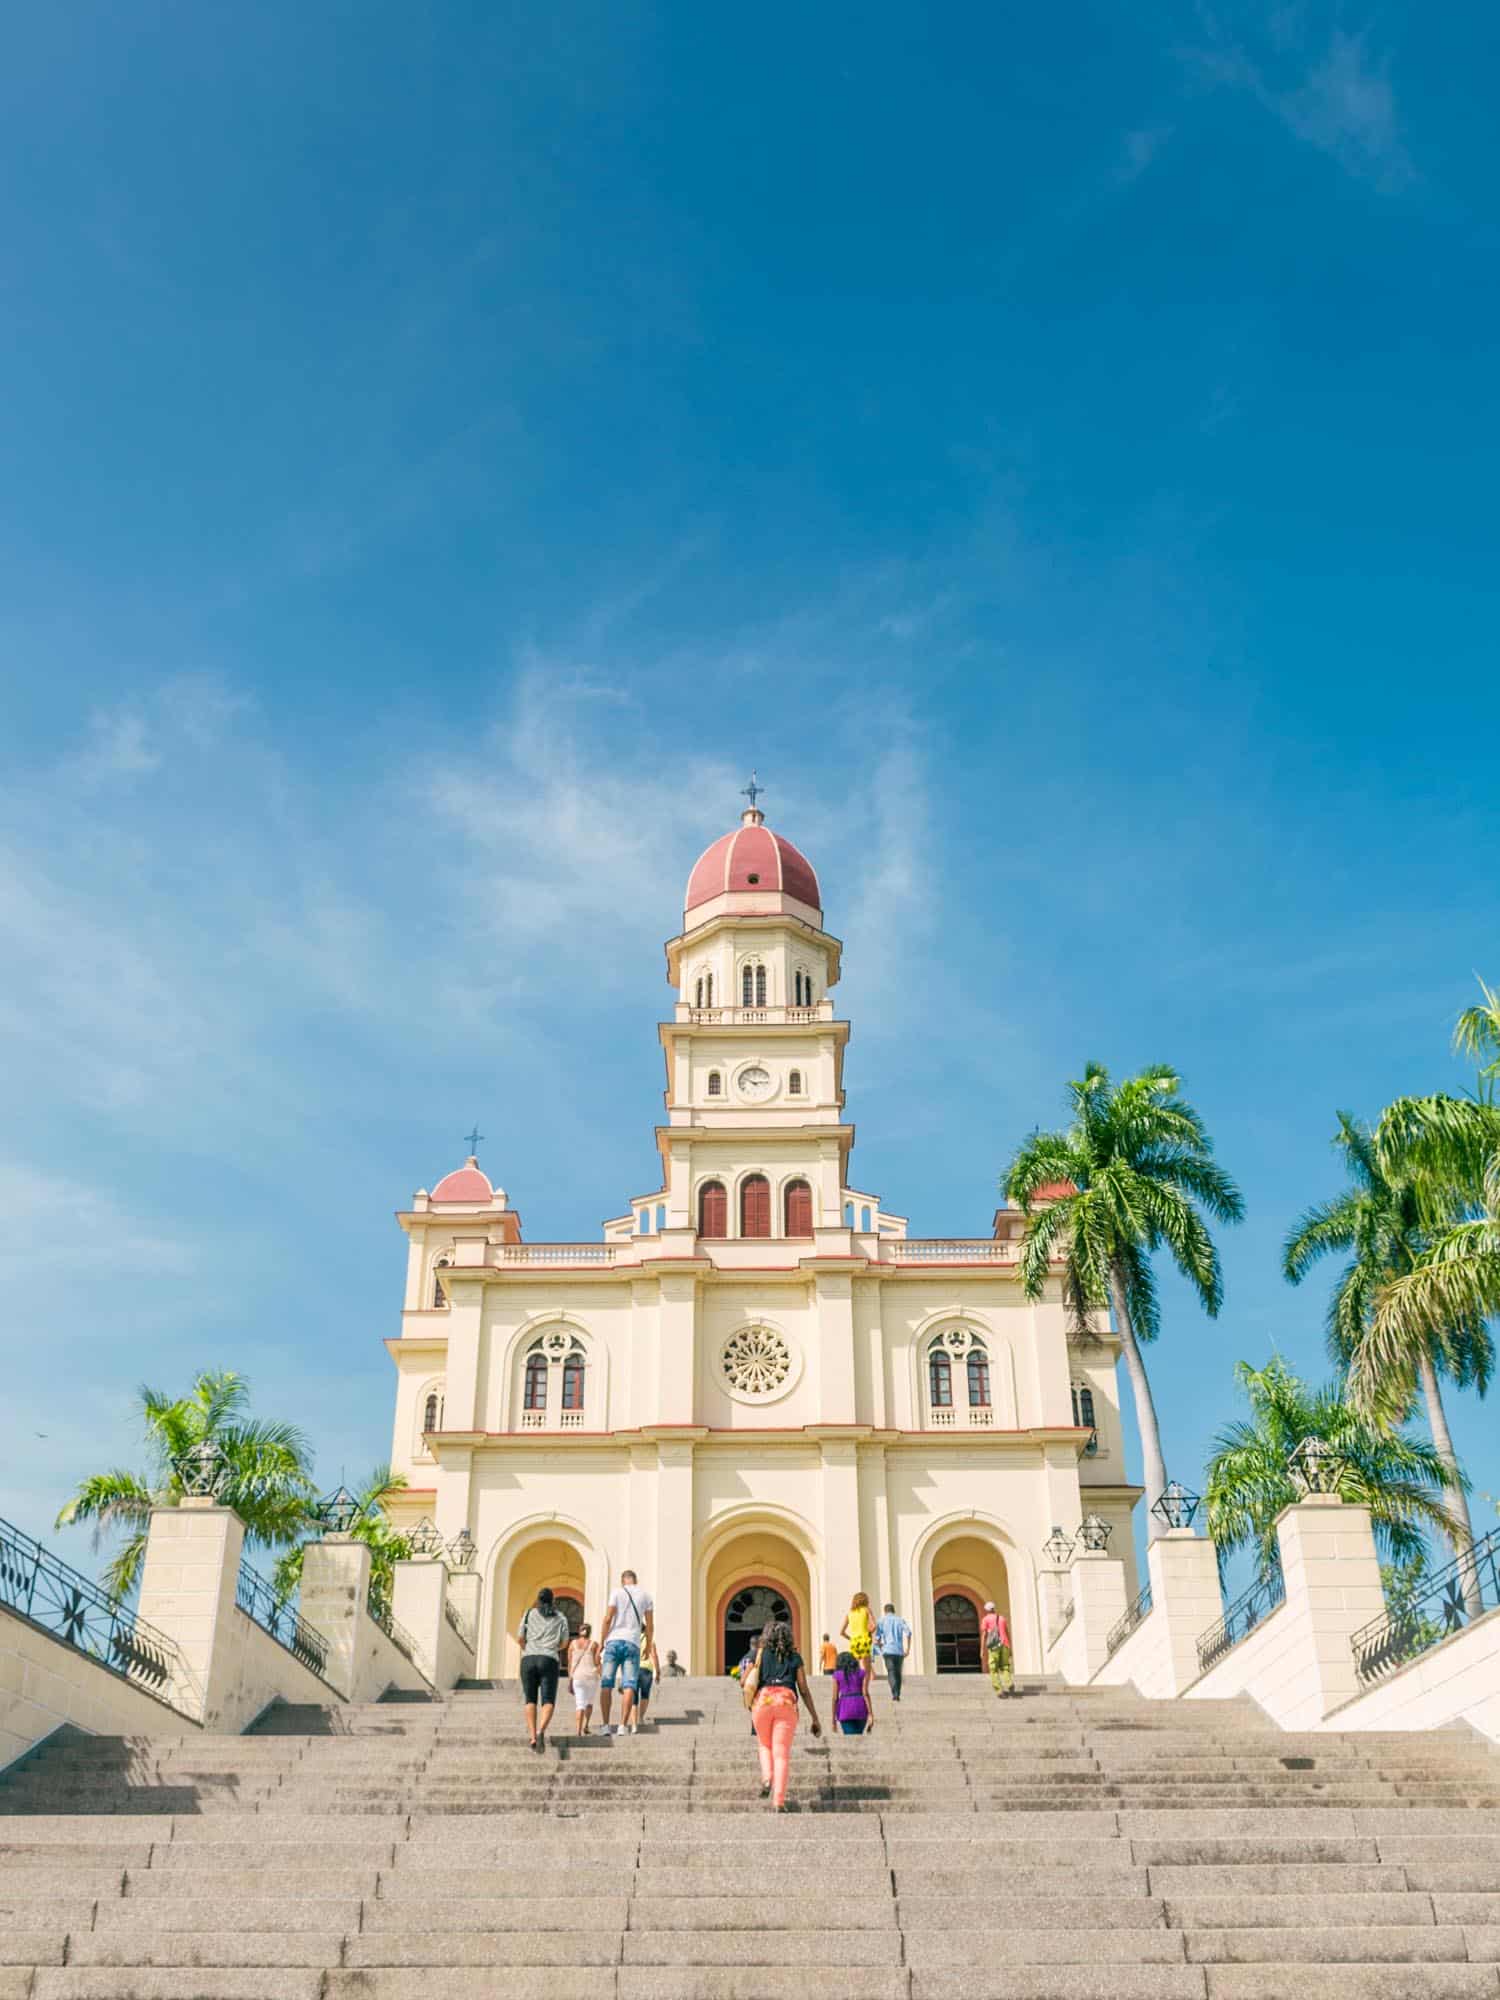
583, 1672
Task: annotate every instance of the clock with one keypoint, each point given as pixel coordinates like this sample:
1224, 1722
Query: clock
755, 1082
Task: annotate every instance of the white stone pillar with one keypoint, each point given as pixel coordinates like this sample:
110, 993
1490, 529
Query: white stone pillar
1099, 1602
835, 1320
676, 1372
335, 1586
1332, 1588
1184, 1572
418, 1590
841, 1555
188, 1585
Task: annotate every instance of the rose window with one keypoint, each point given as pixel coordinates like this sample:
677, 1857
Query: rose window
756, 1361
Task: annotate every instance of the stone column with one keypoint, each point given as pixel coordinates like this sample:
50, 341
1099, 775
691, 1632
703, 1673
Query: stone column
676, 1370
835, 1321
418, 1589
335, 1586
1099, 1600
1184, 1572
188, 1585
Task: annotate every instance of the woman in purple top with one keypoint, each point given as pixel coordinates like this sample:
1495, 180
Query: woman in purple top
851, 1698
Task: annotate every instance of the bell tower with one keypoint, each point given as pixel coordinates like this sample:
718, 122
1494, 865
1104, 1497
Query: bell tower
754, 1054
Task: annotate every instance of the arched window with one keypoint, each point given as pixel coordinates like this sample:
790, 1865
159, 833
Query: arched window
799, 1211
708, 989
698, 992
535, 1394
1083, 1407
573, 1374
802, 989
715, 1084
979, 1379
760, 986
713, 1209
432, 1412
939, 1381
794, 1083
443, 1263
755, 1206
753, 986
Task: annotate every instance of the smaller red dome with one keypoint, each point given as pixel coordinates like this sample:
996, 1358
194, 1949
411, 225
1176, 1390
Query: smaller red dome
1053, 1191
466, 1183
752, 860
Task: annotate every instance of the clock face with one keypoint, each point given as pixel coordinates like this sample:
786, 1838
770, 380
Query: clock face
755, 1082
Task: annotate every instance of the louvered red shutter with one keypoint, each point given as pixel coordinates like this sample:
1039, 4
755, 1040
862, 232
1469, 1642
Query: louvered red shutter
799, 1209
713, 1211
755, 1206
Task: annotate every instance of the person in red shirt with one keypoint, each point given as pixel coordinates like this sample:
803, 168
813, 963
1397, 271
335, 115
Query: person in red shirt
994, 1643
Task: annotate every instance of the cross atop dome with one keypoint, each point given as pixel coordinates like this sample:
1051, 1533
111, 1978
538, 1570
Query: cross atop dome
753, 791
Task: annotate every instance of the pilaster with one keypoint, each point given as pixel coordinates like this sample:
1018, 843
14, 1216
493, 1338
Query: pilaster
672, 1586
1184, 1572
835, 1323
418, 1590
1099, 1603
841, 1551
1333, 1587
676, 1343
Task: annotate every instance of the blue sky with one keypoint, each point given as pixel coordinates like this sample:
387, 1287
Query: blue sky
445, 448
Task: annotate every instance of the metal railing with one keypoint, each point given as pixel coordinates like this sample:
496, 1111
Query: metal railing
1241, 1619
1447, 1602
458, 1622
73, 1608
1122, 1628
279, 1617
379, 1608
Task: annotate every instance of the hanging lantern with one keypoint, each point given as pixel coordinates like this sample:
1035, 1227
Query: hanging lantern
425, 1541
203, 1472
461, 1549
1058, 1546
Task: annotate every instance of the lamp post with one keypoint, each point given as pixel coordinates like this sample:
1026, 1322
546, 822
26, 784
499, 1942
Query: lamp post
1094, 1534
1058, 1546
203, 1471
337, 1513
1176, 1507
1315, 1467
425, 1541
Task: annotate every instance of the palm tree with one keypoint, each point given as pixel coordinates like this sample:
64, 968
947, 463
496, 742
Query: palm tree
1128, 1177
1401, 1479
267, 1478
386, 1545
1385, 1218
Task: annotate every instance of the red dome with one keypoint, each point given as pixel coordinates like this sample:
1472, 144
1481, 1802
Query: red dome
1053, 1191
465, 1183
752, 859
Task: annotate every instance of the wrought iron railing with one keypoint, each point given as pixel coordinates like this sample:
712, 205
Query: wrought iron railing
73, 1608
1447, 1602
277, 1615
1122, 1628
1064, 1619
458, 1622
1242, 1617
378, 1604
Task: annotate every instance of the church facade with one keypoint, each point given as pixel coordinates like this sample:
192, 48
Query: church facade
756, 1389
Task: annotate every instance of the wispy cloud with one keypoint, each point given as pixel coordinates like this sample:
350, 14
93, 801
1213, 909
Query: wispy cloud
1137, 152
1332, 92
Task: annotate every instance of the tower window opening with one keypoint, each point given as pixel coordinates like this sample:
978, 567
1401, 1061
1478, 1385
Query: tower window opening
432, 1412
802, 988
799, 1209
755, 1206
939, 1382
1083, 1407
979, 1379
715, 1084
534, 1393
442, 1264
713, 1209
794, 1083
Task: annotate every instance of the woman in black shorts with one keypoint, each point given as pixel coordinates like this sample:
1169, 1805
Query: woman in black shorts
543, 1635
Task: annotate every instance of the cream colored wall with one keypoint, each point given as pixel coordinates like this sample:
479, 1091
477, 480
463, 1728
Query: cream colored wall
44, 1684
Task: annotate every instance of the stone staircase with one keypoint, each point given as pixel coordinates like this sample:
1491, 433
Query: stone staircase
1059, 1846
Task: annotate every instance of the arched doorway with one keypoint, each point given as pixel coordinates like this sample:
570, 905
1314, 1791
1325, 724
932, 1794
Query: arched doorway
745, 1614
955, 1633
551, 1561
745, 1574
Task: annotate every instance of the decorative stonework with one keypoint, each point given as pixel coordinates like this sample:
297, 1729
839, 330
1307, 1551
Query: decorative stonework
756, 1364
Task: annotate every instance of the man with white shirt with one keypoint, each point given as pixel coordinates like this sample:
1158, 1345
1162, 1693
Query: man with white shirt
629, 1625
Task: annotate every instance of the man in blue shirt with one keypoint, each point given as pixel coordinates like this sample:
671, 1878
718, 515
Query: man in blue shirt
893, 1643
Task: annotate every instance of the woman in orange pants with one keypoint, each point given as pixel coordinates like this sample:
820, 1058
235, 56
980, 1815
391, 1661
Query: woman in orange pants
781, 1683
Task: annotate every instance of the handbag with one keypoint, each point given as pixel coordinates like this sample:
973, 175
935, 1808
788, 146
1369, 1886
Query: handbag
750, 1682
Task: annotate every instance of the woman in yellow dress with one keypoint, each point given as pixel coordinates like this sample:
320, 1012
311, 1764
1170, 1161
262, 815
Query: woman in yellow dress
858, 1627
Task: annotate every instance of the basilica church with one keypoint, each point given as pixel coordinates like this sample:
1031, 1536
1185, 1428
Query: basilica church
755, 1388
